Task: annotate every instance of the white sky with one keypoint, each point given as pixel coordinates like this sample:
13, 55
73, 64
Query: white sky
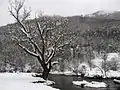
61, 7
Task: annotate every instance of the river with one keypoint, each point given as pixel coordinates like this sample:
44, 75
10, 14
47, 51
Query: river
65, 83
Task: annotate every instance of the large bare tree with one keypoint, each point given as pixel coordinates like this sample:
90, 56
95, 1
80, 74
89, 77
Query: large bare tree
41, 37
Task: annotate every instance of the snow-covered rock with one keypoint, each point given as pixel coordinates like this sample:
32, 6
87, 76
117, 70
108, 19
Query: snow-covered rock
90, 84
116, 81
96, 84
48, 82
80, 82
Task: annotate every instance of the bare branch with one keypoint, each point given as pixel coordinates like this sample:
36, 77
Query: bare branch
28, 51
39, 28
33, 42
24, 30
27, 34
63, 45
40, 32
36, 46
51, 56
26, 14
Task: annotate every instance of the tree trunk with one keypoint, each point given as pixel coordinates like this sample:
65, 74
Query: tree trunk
45, 73
46, 70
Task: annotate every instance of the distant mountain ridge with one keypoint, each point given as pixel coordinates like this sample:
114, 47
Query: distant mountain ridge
105, 15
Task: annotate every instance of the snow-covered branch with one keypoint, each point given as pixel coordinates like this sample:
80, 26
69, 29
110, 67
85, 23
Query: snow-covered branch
28, 51
51, 55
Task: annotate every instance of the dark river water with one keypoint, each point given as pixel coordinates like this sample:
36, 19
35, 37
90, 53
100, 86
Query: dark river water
65, 83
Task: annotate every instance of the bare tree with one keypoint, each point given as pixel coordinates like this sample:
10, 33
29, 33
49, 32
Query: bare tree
42, 38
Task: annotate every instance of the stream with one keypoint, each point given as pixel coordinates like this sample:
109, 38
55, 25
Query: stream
65, 83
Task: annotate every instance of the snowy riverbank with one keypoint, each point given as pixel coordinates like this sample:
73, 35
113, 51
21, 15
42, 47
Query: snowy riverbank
22, 81
92, 73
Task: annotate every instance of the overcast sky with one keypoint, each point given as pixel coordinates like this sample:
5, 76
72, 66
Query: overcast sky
61, 7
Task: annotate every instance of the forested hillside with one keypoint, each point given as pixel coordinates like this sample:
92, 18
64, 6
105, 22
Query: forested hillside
90, 34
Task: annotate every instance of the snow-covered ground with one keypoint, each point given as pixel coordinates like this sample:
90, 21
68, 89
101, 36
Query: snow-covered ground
21, 81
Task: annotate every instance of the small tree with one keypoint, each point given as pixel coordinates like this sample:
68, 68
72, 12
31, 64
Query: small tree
42, 37
104, 64
112, 65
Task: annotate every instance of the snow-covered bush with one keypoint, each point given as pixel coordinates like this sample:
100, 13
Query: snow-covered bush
112, 65
83, 68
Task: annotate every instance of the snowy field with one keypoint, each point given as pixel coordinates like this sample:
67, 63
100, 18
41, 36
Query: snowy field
21, 81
